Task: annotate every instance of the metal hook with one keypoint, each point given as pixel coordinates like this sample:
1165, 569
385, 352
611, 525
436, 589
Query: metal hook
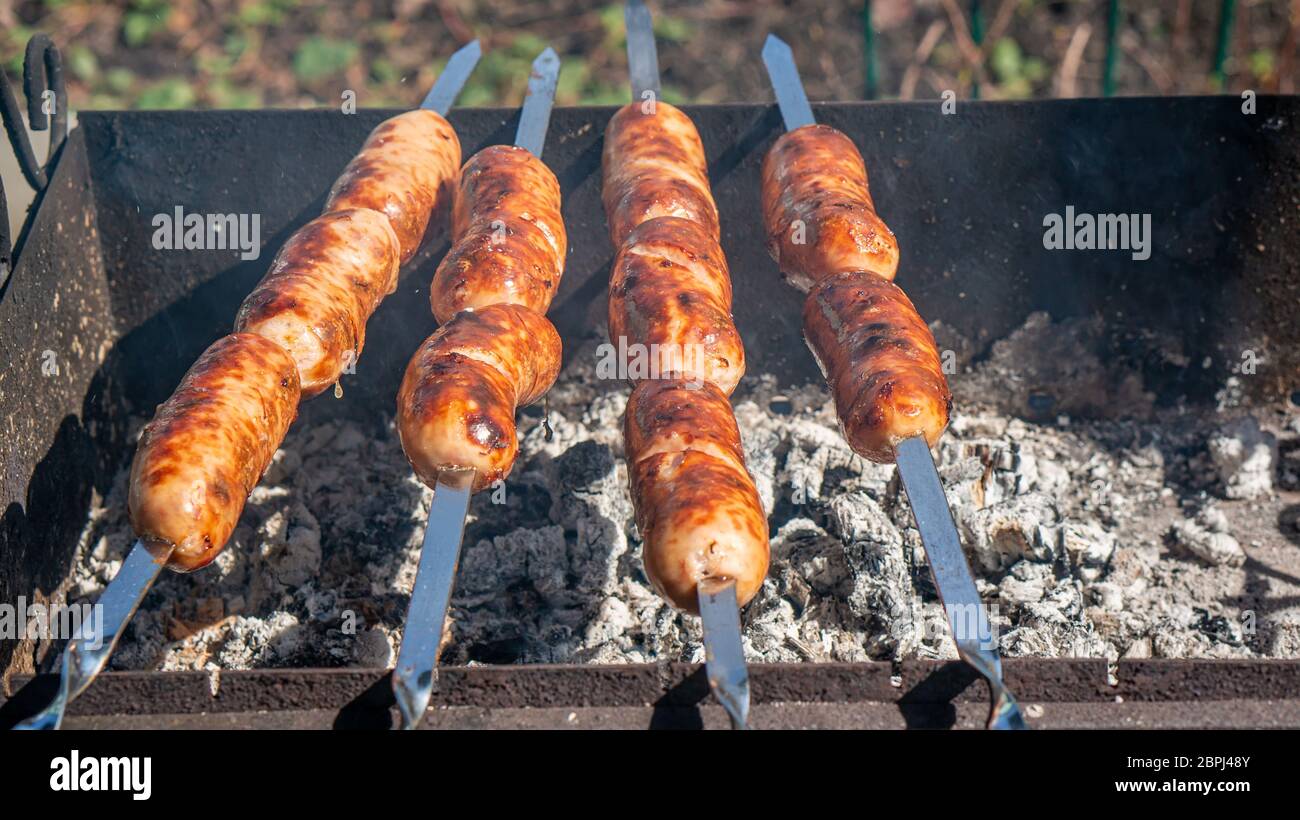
42, 75
43, 72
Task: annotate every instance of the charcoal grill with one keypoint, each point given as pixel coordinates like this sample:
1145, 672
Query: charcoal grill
965, 192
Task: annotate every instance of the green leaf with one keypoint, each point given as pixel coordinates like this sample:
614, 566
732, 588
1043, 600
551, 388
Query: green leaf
226, 95
171, 93
260, 14
1261, 64
673, 29
384, 71
320, 57
119, 80
139, 26
235, 45
1006, 59
82, 63
1035, 70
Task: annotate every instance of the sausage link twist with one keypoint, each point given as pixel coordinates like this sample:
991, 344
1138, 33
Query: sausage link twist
817, 209
509, 240
653, 165
406, 170
456, 406
208, 446
697, 510
880, 360
320, 291
670, 293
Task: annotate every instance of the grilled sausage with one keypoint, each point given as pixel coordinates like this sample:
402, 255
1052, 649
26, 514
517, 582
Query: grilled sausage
321, 289
653, 165
697, 510
208, 446
509, 239
880, 361
670, 292
456, 406
817, 210
406, 170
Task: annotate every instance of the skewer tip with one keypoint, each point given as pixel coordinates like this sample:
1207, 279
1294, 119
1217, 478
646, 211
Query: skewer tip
775, 45
546, 59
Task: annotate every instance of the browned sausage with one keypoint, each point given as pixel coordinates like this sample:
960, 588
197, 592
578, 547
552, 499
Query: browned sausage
208, 446
880, 361
670, 292
509, 240
654, 165
697, 510
406, 170
456, 406
320, 291
817, 210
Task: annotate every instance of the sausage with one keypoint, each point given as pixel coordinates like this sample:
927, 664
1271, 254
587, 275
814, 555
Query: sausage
817, 209
653, 165
321, 289
208, 446
670, 292
509, 240
697, 510
880, 360
456, 406
407, 170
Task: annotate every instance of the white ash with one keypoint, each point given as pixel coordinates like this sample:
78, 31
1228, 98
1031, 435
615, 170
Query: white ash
1107, 527
1244, 456
1206, 536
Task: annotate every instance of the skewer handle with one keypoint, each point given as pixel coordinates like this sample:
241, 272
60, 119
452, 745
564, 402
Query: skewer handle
88, 652
724, 653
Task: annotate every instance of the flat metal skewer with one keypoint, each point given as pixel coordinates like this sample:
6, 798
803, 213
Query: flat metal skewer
453, 78
88, 651
967, 615
724, 652
784, 76
535, 116
427, 613
642, 58
417, 658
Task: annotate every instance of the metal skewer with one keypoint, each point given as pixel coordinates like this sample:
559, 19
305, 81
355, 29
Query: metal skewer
417, 659
439, 556
967, 616
948, 564
88, 651
724, 653
642, 58
453, 78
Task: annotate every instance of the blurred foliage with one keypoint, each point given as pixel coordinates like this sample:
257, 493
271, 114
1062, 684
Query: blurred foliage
1016, 74
292, 53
